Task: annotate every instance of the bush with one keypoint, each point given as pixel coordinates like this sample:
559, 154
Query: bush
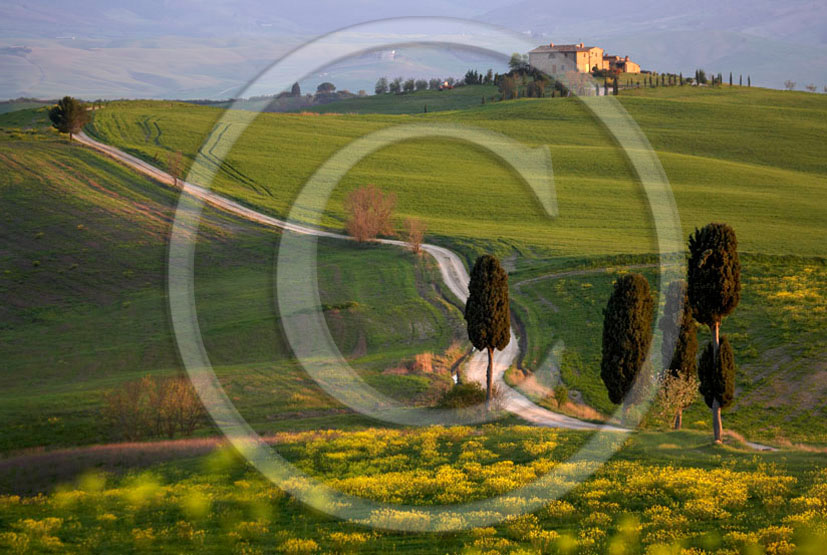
463, 395
154, 407
561, 395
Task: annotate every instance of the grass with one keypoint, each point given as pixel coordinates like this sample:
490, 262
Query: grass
660, 492
745, 156
84, 279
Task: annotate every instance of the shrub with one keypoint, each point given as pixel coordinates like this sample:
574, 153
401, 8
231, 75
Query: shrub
561, 395
153, 407
415, 232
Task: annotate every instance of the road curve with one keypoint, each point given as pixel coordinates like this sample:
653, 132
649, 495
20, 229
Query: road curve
451, 268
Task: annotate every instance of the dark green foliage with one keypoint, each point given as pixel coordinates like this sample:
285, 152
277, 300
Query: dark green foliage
680, 338
462, 396
714, 273
717, 380
295, 90
627, 334
486, 310
326, 87
68, 115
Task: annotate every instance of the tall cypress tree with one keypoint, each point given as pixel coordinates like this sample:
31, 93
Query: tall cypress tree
487, 312
627, 334
680, 338
730, 78
714, 275
717, 375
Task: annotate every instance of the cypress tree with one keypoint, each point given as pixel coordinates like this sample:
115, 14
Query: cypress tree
717, 376
730, 78
740, 80
714, 275
627, 327
749, 81
680, 338
68, 116
614, 86
487, 312
681, 79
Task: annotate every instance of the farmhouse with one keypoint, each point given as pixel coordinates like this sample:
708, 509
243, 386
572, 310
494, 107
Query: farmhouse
560, 58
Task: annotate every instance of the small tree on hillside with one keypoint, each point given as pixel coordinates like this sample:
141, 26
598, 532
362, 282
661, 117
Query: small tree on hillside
811, 87
714, 275
421, 84
369, 213
415, 233
326, 87
789, 85
381, 86
176, 166
487, 312
679, 349
295, 90
409, 85
68, 116
434, 84
627, 335
395, 86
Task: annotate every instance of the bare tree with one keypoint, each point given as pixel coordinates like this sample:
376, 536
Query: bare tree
176, 166
369, 213
789, 85
675, 393
811, 87
415, 232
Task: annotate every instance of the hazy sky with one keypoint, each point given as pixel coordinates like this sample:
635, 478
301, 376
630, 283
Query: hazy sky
211, 48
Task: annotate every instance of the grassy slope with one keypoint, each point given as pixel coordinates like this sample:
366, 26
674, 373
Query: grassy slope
742, 155
750, 157
83, 282
411, 103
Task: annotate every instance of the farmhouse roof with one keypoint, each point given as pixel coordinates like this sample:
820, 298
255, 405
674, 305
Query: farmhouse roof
563, 48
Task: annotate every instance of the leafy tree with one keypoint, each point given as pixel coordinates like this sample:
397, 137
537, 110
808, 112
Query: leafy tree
518, 62
176, 166
326, 87
68, 116
487, 312
700, 77
295, 90
811, 87
627, 334
680, 345
381, 86
489, 77
395, 86
508, 87
434, 84
714, 275
409, 85
421, 84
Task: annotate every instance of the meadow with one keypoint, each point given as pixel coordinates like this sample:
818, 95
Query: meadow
662, 493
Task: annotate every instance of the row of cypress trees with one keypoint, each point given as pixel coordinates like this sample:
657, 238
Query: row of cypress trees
710, 293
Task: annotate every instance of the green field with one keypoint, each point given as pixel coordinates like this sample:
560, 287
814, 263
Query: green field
745, 156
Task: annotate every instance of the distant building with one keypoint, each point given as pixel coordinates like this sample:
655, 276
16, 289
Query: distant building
560, 58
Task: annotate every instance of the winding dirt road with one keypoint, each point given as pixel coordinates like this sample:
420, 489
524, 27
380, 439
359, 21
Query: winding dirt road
451, 268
